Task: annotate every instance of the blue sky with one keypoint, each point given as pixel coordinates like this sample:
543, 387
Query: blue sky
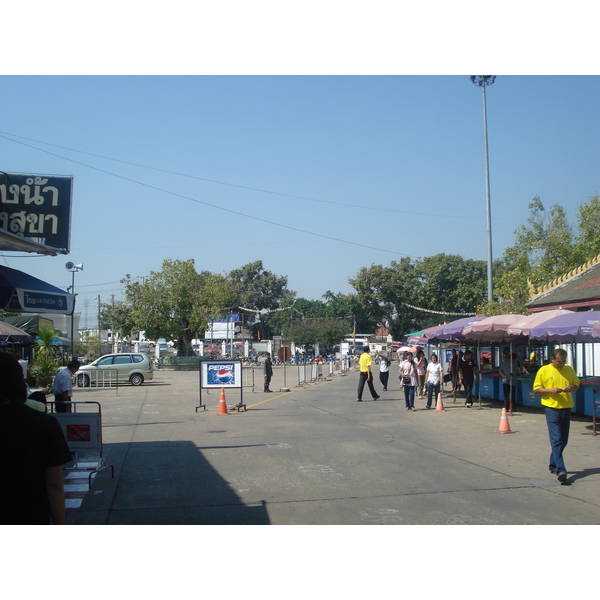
319, 148
317, 176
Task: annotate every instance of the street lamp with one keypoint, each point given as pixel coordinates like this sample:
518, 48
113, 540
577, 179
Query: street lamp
483, 81
72, 268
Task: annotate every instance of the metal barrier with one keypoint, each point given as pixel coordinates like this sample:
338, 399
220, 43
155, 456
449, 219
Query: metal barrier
248, 377
316, 372
301, 375
98, 378
331, 368
83, 432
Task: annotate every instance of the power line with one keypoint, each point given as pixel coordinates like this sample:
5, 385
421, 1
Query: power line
217, 207
10, 136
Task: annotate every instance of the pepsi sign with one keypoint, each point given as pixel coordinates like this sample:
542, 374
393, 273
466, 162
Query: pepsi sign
217, 374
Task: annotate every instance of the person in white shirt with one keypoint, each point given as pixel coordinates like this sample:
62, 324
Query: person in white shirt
384, 371
63, 387
433, 378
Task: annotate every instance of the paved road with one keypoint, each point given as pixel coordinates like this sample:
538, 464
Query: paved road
315, 456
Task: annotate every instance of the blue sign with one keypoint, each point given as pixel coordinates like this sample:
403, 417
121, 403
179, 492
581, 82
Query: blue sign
221, 374
230, 318
41, 302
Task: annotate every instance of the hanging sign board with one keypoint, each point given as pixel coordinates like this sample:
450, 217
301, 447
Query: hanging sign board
37, 207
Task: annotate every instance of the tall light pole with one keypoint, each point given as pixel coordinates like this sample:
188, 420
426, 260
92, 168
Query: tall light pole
483, 81
72, 268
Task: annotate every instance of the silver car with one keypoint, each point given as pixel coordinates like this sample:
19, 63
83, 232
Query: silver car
132, 367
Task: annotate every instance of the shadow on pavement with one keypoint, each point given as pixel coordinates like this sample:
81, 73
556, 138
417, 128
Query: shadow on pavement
575, 475
164, 483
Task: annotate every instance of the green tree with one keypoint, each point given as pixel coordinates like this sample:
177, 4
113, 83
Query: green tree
306, 322
331, 332
545, 248
46, 363
416, 294
386, 291
587, 241
450, 283
117, 316
259, 290
178, 302
46, 342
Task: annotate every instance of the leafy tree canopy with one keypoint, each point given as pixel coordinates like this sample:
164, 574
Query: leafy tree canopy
177, 302
545, 248
414, 294
256, 288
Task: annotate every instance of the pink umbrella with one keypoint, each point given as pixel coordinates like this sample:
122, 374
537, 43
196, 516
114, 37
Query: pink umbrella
452, 331
523, 327
492, 329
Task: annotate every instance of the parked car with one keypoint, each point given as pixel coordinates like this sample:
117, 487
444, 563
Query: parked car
132, 367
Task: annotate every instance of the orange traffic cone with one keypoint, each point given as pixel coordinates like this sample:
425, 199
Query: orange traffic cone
439, 407
504, 426
222, 404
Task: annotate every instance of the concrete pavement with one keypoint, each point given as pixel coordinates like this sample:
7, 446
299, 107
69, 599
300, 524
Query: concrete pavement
315, 456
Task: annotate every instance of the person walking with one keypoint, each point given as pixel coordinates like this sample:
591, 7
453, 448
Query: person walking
421, 368
63, 387
433, 379
384, 371
467, 369
509, 370
453, 370
407, 372
556, 383
365, 375
268, 371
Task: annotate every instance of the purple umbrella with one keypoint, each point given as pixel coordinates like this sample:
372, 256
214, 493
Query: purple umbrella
573, 328
524, 327
453, 330
492, 329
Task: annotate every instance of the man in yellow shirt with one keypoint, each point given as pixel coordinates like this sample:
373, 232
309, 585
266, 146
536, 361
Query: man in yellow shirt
556, 382
365, 363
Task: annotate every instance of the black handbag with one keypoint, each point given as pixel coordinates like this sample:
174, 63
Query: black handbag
447, 377
406, 378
